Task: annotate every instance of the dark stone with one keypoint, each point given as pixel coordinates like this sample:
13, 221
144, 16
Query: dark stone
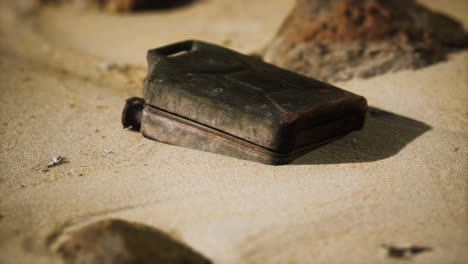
124, 6
121, 242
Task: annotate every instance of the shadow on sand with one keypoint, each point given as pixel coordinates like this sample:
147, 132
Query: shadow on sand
384, 135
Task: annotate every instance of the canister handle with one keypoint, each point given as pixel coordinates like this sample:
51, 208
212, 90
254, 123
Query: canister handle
172, 49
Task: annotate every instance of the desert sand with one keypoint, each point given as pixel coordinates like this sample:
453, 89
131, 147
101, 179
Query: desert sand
402, 180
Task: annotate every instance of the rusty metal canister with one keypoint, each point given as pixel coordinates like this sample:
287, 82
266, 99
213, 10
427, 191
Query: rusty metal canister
206, 97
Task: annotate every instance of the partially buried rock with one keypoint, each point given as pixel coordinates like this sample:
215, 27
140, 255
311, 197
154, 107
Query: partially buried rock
124, 5
135, 5
121, 242
334, 40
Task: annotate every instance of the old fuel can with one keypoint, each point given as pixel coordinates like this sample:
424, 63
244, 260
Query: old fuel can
206, 97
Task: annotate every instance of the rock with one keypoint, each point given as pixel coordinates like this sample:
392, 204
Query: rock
119, 6
120, 242
340, 39
135, 5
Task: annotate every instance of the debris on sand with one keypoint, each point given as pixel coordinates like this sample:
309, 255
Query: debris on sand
404, 251
108, 151
338, 40
55, 160
121, 242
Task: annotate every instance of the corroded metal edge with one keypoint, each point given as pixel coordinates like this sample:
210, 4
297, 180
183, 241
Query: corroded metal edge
166, 127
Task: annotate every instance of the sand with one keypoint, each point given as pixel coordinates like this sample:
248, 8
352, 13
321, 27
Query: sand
401, 180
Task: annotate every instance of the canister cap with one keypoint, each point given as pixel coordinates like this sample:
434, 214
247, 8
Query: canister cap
131, 115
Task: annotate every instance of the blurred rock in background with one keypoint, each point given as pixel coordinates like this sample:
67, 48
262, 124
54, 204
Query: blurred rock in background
338, 40
122, 5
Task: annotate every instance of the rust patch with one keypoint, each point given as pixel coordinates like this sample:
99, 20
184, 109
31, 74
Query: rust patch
349, 21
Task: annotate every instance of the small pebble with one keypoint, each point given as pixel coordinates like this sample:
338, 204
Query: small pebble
55, 160
108, 66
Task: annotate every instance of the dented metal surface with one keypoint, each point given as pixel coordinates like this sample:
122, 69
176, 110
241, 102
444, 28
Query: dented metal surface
206, 97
